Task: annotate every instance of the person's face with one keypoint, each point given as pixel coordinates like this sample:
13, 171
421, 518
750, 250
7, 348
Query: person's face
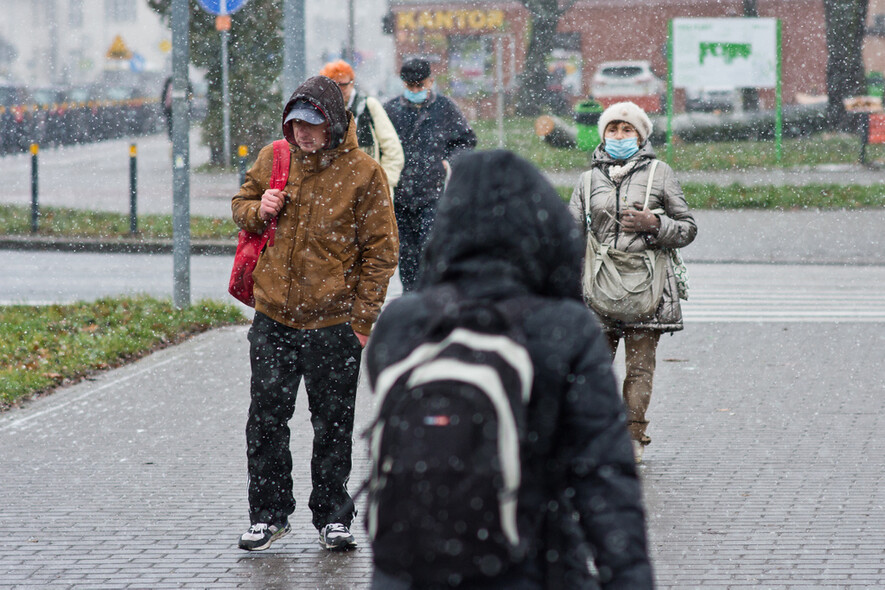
620, 130
424, 84
345, 83
310, 138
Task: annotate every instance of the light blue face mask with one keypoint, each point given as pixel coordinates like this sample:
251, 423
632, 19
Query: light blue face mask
415, 97
621, 149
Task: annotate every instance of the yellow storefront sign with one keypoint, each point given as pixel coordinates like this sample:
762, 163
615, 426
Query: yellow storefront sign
450, 20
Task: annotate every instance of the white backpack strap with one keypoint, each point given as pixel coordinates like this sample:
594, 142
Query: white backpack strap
651, 178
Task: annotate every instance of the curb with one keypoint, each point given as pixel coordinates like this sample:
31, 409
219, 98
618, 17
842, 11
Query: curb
114, 246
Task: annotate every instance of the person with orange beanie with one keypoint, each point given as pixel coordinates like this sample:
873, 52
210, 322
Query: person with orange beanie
375, 133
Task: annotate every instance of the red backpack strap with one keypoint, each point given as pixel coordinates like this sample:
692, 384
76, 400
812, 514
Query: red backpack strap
278, 178
280, 175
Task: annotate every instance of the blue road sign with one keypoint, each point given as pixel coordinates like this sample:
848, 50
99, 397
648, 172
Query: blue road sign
137, 63
221, 7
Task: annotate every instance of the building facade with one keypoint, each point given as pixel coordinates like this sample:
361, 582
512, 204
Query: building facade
55, 42
475, 43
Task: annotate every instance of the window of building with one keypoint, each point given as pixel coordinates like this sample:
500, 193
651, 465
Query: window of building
120, 11
471, 66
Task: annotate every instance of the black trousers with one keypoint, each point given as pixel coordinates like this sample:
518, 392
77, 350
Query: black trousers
414, 229
329, 361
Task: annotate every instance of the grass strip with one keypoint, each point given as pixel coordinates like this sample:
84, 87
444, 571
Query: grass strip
815, 150
67, 222
812, 196
42, 347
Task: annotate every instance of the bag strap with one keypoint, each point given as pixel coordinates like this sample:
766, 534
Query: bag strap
651, 178
279, 176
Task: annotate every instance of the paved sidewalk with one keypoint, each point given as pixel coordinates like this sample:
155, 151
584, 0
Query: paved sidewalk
765, 471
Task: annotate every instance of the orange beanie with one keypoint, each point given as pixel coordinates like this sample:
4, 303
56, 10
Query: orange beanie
337, 70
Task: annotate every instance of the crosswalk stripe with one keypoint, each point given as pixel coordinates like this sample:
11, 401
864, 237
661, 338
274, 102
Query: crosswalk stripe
748, 293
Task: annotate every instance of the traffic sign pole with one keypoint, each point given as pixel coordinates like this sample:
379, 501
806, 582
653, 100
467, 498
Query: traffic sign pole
225, 85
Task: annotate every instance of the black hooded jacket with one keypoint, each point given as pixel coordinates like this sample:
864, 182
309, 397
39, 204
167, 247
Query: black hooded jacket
430, 132
502, 233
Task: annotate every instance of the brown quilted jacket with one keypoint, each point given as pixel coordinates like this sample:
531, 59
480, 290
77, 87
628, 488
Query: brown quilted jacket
336, 242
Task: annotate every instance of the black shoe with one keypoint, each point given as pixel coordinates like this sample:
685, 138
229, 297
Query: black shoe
261, 535
336, 537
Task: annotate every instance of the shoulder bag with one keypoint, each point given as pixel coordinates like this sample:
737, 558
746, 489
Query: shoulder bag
250, 245
623, 286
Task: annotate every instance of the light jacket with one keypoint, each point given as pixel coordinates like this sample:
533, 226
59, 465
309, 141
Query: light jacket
336, 241
377, 137
608, 198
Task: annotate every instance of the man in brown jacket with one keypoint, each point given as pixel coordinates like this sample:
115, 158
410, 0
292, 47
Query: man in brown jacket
318, 290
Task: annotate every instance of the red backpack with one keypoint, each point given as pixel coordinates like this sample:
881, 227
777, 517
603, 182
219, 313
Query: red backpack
249, 245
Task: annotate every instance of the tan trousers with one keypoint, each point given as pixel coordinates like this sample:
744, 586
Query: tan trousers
639, 353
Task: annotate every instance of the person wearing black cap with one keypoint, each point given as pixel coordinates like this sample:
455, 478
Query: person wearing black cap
319, 285
432, 131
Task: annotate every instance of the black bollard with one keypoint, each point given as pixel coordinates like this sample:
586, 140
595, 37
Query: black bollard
242, 152
133, 189
35, 209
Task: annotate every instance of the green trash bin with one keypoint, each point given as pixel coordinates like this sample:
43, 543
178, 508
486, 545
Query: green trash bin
875, 84
587, 119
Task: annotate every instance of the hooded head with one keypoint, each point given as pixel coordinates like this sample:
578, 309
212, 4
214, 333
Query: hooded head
324, 96
629, 112
501, 228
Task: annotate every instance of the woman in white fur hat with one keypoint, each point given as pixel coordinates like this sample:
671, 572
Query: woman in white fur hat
609, 201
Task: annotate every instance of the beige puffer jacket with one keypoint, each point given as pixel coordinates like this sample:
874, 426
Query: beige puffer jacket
607, 198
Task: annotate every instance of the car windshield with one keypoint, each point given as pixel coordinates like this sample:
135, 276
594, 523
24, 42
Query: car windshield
622, 71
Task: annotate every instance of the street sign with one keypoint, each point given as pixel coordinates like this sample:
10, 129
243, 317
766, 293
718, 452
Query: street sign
725, 52
221, 7
137, 63
118, 49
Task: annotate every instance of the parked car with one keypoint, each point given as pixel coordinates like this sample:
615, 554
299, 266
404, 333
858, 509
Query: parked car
628, 80
712, 100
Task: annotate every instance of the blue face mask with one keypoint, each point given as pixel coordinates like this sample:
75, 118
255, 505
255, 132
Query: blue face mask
415, 97
621, 149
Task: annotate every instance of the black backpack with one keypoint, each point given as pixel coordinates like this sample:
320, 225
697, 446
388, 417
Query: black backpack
445, 449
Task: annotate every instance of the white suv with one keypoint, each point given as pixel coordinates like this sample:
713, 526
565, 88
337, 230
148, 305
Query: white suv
626, 79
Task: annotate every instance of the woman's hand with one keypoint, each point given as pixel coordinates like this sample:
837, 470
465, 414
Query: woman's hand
272, 202
640, 220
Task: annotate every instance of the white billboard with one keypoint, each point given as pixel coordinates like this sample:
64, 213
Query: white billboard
725, 52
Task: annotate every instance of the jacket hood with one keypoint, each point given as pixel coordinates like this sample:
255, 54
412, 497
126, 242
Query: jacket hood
324, 94
502, 229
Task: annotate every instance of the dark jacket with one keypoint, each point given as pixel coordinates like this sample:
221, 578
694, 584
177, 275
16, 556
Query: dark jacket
503, 234
430, 132
607, 198
336, 244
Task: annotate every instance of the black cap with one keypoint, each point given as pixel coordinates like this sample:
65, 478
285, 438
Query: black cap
415, 70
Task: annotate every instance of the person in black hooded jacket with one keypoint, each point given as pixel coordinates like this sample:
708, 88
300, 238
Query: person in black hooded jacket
502, 233
432, 131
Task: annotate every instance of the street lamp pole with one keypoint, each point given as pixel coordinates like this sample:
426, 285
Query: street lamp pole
350, 32
293, 46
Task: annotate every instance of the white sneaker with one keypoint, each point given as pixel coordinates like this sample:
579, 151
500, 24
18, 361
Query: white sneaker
261, 535
637, 451
336, 537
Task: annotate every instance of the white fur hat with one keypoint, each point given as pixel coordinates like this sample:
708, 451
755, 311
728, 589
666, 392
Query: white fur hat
629, 112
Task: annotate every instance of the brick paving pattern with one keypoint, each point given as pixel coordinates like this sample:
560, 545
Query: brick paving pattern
765, 471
